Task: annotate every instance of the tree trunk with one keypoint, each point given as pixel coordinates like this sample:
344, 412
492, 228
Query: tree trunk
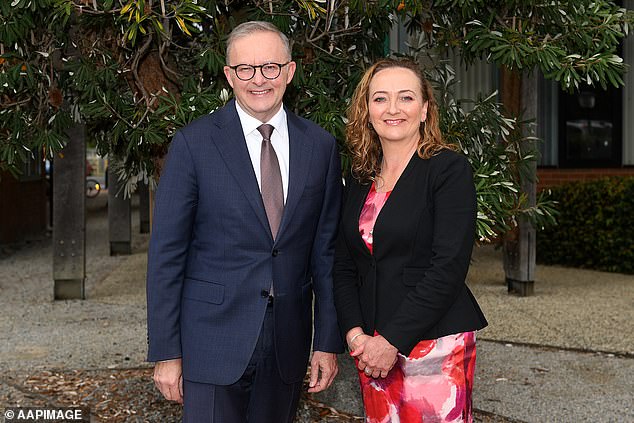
519, 95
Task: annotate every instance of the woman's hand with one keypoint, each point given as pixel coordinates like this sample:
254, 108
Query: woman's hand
376, 356
355, 338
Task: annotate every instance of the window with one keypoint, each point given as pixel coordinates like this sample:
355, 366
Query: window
590, 127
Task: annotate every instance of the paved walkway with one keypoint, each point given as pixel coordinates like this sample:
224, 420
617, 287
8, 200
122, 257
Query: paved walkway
564, 355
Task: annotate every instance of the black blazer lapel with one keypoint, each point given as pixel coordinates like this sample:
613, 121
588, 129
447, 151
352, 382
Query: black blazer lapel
233, 149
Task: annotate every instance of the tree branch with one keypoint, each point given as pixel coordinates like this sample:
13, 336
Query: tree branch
15, 103
93, 10
168, 70
140, 54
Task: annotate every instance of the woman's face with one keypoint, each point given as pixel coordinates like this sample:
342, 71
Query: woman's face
396, 105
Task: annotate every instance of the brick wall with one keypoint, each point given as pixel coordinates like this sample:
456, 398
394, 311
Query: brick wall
22, 208
549, 177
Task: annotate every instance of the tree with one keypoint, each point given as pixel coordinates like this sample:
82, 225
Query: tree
147, 67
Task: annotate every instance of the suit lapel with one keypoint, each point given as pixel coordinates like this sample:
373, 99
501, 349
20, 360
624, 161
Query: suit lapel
300, 151
233, 149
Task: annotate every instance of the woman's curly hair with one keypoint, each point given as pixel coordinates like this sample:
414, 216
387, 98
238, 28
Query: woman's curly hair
363, 141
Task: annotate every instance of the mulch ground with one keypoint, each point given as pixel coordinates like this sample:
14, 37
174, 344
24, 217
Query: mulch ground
130, 396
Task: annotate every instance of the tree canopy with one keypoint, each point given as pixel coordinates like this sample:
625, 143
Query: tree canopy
133, 71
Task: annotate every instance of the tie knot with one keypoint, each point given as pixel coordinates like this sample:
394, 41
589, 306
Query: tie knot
266, 130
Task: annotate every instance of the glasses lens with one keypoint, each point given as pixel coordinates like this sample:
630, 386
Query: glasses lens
271, 70
245, 72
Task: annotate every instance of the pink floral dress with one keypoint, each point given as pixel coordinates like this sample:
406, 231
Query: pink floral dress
432, 384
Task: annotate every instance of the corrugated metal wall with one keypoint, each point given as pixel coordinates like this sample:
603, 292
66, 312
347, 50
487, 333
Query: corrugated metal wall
478, 79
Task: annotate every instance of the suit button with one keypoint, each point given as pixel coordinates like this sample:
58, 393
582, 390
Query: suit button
264, 293
275, 252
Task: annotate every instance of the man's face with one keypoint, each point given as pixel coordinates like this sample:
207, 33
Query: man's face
259, 97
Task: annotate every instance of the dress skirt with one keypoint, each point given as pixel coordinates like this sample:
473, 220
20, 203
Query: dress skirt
432, 384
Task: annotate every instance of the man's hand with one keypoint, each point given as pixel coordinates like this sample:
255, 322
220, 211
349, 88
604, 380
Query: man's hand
168, 378
326, 364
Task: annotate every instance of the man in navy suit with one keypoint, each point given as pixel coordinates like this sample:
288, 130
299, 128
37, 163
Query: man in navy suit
243, 235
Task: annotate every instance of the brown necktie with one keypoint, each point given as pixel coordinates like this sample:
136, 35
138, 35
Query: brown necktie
271, 180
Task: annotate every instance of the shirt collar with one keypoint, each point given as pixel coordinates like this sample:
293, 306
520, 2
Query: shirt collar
250, 124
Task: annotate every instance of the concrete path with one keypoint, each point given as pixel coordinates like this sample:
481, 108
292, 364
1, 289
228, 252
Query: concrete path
563, 355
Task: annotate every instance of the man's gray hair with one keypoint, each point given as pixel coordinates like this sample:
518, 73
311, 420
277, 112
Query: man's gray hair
251, 27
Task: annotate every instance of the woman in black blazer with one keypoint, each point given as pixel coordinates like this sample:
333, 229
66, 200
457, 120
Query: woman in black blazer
406, 234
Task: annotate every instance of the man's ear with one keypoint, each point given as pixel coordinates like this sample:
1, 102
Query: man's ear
291, 71
227, 71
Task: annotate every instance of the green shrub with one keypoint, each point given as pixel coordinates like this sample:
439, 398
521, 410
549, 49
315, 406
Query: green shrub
595, 228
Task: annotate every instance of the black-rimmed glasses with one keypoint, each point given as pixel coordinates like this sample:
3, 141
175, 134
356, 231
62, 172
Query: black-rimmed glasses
268, 70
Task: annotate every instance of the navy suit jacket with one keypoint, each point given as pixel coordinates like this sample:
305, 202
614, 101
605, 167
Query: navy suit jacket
212, 258
413, 285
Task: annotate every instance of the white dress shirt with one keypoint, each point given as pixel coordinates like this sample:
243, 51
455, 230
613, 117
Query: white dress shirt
279, 141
